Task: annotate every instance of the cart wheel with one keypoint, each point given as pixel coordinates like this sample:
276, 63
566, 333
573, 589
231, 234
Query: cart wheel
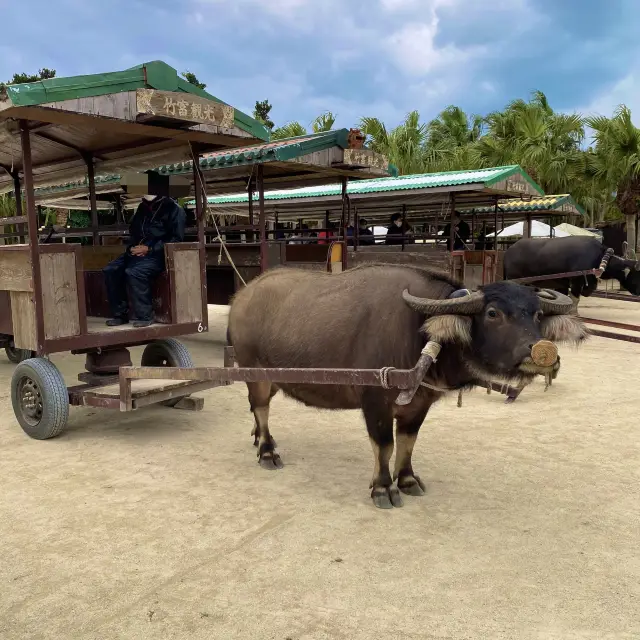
40, 398
167, 353
18, 355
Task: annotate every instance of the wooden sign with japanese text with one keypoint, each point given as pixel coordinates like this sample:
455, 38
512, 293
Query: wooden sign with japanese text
184, 106
365, 158
516, 183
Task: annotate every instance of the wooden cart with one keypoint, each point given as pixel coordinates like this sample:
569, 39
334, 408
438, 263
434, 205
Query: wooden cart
52, 296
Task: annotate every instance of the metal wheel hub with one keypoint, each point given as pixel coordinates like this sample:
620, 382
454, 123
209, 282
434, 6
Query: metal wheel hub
30, 400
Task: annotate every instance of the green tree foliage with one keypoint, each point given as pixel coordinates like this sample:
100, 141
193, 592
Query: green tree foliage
43, 74
323, 122
21, 78
192, 79
261, 113
614, 163
604, 179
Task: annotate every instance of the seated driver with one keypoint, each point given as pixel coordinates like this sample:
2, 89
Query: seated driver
158, 220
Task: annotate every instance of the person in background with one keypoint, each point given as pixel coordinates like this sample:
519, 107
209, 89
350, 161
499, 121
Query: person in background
483, 242
365, 235
325, 236
461, 233
395, 231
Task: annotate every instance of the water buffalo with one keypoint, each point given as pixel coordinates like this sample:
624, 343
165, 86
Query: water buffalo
378, 316
531, 257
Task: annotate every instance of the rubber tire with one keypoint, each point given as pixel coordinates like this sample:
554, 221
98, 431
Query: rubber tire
55, 398
167, 353
18, 355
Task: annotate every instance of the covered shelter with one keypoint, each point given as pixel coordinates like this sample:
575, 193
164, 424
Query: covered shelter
547, 208
429, 200
312, 159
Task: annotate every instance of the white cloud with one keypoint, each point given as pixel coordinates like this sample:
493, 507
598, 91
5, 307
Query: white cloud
625, 91
409, 60
414, 50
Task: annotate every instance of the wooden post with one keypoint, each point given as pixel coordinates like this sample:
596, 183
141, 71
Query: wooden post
198, 182
344, 222
473, 227
119, 206
452, 231
250, 197
32, 225
404, 220
262, 220
356, 228
91, 177
550, 228
495, 221
527, 226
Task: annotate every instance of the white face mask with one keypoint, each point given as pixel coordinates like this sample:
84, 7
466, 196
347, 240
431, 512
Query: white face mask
149, 198
398, 223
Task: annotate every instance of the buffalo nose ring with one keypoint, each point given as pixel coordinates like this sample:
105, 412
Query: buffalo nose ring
544, 353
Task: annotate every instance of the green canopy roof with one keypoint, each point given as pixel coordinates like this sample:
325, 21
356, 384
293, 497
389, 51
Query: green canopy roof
275, 151
562, 204
149, 75
285, 150
498, 177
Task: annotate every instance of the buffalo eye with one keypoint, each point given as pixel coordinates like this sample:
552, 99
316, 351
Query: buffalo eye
492, 313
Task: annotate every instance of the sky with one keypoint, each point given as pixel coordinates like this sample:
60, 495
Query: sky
356, 58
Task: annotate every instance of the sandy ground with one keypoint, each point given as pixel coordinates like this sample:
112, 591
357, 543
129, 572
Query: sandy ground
160, 524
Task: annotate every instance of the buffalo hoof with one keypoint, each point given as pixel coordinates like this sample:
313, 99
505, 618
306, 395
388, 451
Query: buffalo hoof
271, 461
386, 497
510, 399
412, 486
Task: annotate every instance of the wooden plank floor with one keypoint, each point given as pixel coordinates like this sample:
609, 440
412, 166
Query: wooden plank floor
139, 388
98, 325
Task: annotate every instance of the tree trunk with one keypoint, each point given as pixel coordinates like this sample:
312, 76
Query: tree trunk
627, 200
631, 231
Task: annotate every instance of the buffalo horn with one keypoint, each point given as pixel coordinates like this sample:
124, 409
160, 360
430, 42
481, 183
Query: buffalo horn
466, 305
554, 303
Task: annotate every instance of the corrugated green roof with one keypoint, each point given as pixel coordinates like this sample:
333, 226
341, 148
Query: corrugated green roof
112, 178
546, 203
486, 177
276, 151
151, 75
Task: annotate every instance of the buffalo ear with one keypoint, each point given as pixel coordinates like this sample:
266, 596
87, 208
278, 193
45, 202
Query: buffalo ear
449, 328
565, 328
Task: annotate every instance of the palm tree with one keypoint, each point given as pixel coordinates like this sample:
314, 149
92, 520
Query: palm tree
453, 124
546, 144
450, 137
616, 160
289, 130
403, 145
324, 122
